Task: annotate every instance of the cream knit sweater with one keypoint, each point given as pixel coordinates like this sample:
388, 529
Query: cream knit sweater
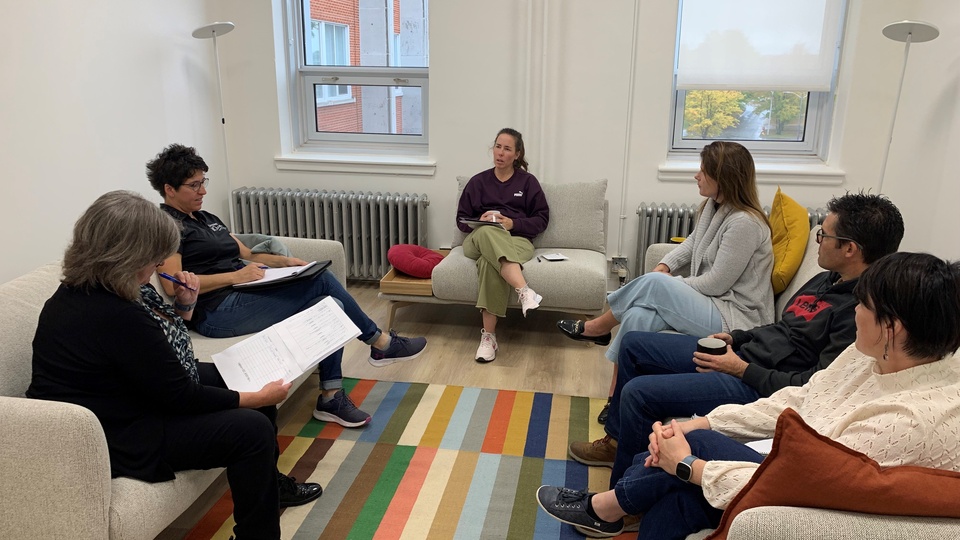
911, 417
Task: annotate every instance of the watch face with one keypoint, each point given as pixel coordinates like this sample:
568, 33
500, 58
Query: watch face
684, 471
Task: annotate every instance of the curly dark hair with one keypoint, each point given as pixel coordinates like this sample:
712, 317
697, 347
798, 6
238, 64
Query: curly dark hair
872, 221
923, 293
175, 164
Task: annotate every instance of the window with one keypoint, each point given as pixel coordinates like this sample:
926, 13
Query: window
330, 46
758, 72
361, 74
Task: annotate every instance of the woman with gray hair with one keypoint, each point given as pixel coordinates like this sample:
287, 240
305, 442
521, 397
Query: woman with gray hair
106, 341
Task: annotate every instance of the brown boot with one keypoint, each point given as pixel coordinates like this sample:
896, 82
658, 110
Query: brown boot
599, 453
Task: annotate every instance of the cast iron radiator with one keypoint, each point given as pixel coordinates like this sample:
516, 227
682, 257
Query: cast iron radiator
659, 222
366, 223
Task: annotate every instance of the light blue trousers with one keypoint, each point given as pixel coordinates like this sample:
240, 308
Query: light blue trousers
655, 302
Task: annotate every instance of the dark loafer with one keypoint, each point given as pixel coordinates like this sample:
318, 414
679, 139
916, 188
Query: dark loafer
574, 330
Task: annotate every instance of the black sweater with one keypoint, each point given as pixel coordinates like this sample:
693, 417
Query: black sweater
816, 326
97, 350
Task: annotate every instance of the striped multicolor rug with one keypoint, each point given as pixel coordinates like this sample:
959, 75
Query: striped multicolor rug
436, 462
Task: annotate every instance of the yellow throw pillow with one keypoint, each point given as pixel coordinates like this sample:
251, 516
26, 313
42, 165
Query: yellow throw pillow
791, 229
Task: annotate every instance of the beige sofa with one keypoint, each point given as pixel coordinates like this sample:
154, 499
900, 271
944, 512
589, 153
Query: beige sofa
577, 229
54, 465
789, 523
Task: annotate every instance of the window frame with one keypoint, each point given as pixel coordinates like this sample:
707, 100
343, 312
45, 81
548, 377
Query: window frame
304, 102
819, 110
817, 128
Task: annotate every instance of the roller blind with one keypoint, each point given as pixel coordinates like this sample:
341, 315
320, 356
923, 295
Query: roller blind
758, 44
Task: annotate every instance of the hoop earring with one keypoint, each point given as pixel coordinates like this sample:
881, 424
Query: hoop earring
886, 348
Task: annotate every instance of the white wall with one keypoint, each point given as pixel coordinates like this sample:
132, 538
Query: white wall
92, 90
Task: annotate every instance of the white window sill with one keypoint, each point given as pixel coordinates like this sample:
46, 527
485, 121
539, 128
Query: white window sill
360, 164
769, 171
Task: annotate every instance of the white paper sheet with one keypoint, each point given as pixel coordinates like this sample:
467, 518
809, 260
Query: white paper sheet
287, 349
273, 274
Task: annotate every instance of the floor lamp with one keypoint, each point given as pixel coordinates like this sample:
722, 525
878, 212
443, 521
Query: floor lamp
906, 32
209, 31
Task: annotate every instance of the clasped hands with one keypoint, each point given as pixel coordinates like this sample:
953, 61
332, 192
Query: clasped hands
728, 362
668, 446
500, 218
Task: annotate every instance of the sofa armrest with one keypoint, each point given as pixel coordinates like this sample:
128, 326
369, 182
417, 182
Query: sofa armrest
656, 253
312, 249
790, 523
54, 469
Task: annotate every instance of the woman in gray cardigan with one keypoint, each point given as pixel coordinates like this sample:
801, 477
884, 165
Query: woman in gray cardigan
730, 256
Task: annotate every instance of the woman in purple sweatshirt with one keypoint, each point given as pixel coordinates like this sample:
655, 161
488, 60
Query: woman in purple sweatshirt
511, 197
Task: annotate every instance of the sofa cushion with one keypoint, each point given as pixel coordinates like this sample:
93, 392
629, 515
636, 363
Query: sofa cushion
20, 303
455, 280
576, 216
413, 260
807, 469
790, 227
809, 267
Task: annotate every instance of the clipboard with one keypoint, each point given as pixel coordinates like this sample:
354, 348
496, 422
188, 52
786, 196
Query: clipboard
276, 277
474, 223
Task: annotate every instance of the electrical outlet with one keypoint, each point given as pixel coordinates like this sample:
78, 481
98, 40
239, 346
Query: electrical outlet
619, 261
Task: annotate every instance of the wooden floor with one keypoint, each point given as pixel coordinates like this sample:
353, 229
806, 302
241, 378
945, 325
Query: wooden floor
534, 356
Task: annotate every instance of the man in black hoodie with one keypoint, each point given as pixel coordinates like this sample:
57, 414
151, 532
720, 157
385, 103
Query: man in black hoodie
660, 375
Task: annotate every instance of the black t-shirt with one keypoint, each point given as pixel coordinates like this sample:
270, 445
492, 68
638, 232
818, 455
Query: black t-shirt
206, 247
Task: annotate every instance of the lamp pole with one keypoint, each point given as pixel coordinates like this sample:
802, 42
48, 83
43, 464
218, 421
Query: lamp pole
906, 32
211, 31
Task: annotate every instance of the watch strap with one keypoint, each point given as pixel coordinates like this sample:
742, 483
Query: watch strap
685, 468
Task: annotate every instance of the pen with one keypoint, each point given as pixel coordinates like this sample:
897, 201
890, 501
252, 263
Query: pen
167, 276
262, 267
539, 258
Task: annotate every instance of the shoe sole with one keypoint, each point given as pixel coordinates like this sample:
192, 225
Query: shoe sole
482, 360
387, 361
539, 299
327, 417
578, 459
576, 525
591, 533
303, 502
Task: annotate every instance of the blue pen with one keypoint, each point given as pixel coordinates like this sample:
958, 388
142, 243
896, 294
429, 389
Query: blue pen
262, 267
167, 276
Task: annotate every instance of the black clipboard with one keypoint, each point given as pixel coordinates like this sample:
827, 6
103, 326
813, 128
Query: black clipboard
313, 271
474, 223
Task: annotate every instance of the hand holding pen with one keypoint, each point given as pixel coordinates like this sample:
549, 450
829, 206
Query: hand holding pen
186, 289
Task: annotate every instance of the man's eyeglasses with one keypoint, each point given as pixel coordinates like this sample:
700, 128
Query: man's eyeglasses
197, 185
821, 236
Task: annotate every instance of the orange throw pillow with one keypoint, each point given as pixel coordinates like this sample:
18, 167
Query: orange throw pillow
806, 469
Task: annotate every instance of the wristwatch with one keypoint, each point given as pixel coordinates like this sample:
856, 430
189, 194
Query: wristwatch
685, 468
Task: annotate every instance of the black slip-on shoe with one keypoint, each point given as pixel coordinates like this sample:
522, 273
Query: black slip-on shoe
574, 330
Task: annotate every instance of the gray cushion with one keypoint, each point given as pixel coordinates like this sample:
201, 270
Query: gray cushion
576, 216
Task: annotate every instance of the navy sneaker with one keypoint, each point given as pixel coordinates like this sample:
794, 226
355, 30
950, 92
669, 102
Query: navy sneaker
341, 410
570, 506
400, 349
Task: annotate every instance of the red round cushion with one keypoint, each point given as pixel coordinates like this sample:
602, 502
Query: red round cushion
413, 260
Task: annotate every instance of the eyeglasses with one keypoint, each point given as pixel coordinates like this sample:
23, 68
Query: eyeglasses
197, 185
821, 236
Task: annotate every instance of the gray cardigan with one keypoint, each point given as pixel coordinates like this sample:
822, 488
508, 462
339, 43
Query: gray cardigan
731, 260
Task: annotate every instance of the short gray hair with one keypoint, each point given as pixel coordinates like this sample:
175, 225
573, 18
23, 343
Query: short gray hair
115, 238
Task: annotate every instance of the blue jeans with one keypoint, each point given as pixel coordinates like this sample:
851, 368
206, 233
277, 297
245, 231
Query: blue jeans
672, 508
246, 312
657, 379
656, 301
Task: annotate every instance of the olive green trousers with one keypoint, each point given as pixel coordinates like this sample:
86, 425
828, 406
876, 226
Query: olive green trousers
487, 246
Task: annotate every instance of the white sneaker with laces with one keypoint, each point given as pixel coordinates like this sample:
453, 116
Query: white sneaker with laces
529, 299
487, 351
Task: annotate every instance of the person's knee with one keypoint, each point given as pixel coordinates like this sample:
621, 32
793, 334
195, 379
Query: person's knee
254, 430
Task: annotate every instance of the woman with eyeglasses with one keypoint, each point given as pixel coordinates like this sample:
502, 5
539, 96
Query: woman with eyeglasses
208, 250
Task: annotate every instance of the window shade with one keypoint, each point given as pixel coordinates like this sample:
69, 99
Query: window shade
758, 44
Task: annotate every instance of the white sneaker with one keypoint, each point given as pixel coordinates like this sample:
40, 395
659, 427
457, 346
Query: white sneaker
487, 351
529, 299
